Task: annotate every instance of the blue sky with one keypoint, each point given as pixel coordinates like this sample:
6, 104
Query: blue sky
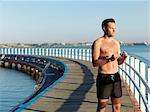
37, 21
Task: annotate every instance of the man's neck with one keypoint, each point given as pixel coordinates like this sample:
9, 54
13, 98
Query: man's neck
107, 37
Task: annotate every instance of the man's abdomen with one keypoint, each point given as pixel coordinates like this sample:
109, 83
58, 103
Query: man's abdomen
109, 68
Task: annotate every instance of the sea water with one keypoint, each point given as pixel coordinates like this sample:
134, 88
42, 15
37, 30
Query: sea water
140, 50
15, 87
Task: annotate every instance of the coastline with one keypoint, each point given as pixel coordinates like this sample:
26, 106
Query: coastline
27, 45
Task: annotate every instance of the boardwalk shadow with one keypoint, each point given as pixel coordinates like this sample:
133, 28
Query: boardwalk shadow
73, 103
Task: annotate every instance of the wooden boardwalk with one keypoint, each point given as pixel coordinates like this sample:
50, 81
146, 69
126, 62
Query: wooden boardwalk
76, 93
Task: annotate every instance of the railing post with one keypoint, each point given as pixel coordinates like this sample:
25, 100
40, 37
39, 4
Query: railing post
57, 52
142, 87
43, 52
66, 53
76, 53
40, 51
12, 50
132, 74
127, 68
80, 57
124, 68
69, 53
83, 54
128, 79
26, 51
120, 71
19, 51
72, 53
137, 79
29, 51
8, 50
50, 52
90, 55
15, 51
5, 50
87, 54
46, 51
32, 50
2, 51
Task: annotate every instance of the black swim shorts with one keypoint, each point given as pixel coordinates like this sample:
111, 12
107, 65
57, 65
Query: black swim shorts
108, 85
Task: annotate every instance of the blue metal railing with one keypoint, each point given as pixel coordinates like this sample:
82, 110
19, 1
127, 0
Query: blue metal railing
135, 71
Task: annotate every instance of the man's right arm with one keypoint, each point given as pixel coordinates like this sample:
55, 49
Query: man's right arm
96, 61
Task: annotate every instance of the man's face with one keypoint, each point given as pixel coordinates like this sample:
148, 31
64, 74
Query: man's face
111, 29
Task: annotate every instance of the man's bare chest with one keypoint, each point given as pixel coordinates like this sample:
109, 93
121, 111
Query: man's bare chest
108, 49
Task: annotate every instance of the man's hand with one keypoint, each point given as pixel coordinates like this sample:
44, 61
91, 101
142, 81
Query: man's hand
124, 54
112, 57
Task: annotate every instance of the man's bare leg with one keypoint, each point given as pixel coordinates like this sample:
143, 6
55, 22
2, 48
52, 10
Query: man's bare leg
102, 105
116, 104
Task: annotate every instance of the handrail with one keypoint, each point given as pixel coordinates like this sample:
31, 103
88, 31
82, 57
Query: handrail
141, 84
144, 81
145, 101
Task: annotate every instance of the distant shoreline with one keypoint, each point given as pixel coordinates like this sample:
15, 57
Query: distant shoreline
62, 44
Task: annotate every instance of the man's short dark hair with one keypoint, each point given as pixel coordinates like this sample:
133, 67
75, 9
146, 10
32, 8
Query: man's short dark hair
104, 23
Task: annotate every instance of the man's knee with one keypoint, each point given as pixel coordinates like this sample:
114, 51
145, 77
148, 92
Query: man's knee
116, 107
101, 106
116, 104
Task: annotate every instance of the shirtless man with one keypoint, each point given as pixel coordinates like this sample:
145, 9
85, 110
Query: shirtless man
106, 56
